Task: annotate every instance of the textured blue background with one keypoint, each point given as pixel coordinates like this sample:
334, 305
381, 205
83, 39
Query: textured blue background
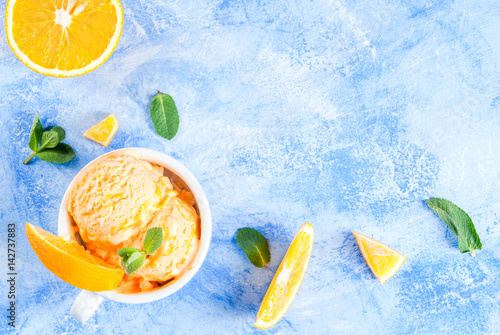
346, 114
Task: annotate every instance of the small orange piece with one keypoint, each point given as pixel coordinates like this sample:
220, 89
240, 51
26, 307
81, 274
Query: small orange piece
71, 262
63, 38
287, 280
104, 131
381, 259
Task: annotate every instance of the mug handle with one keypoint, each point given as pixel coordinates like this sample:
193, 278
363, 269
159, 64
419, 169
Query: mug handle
85, 305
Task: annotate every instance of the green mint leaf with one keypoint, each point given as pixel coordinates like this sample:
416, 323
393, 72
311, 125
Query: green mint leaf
60, 133
51, 148
255, 246
133, 262
36, 133
164, 115
459, 222
153, 240
61, 153
126, 252
50, 139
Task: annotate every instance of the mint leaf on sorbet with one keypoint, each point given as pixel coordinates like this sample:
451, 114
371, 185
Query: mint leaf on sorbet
153, 240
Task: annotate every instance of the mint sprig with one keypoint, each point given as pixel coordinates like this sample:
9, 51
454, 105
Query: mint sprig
153, 240
459, 222
255, 246
164, 115
133, 262
133, 259
47, 144
127, 252
35, 134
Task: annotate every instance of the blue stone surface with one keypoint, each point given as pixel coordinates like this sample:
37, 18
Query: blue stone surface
344, 114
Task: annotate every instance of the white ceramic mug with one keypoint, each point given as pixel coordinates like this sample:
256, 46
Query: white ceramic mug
87, 302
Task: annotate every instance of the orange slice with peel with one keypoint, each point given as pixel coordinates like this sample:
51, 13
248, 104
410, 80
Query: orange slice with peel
104, 131
287, 280
71, 262
63, 38
381, 259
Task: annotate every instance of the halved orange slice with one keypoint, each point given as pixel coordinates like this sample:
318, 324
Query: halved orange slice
287, 280
63, 38
104, 131
71, 262
381, 259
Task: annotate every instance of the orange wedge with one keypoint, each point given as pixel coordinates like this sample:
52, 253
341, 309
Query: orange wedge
63, 38
287, 280
381, 259
104, 131
71, 262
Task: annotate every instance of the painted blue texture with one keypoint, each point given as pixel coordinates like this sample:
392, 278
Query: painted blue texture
345, 114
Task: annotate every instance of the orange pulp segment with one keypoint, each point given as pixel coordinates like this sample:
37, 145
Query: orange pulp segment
71, 262
287, 280
104, 131
63, 38
381, 259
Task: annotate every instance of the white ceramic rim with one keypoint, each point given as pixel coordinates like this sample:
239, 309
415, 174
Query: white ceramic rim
180, 170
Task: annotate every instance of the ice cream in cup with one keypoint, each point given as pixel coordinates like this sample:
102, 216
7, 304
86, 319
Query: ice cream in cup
115, 200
